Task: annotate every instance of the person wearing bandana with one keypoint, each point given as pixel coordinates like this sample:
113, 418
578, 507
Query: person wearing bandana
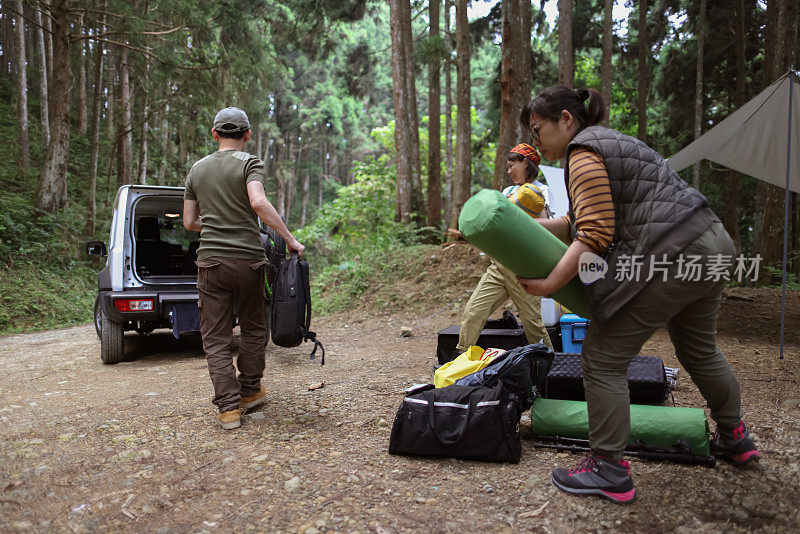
498, 284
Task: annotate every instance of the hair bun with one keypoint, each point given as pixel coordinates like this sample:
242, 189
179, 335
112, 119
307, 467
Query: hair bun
582, 94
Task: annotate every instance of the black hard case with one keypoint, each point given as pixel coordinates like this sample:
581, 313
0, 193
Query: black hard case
647, 380
498, 338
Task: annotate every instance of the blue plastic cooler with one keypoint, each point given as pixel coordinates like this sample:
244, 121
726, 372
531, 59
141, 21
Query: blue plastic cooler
573, 332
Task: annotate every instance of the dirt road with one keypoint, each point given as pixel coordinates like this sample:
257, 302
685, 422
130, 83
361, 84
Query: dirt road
133, 447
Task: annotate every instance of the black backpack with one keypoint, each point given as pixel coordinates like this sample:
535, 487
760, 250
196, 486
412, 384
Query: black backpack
290, 313
522, 370
507, 322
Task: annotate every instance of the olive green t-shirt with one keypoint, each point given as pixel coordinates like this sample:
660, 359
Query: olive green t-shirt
218, 183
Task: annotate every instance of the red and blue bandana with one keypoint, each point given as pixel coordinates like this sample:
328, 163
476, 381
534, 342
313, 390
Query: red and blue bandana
526, 151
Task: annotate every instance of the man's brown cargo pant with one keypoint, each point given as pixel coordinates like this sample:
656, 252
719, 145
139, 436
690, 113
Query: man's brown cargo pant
222, 282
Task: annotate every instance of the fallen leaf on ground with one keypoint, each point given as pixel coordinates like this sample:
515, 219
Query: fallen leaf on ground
125, 509
534, 513
316, 385
14, 484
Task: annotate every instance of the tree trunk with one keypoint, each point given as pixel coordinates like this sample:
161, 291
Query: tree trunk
91, 202
9, 41
335, 167
124, 133
112, 104
417, 201
566, 57
306, 193
320, 191
24, 161
4, 40
402, 123
266, 157
515, 81
642, 67
48, 41
282, 174
29, 41
44, 111
143, 153
698, 88
127, 110
782, 35
732, 196
605, 63
54, 171
448, 116
463, 164
773, 7
83, 52
434, 217
165, 148
291, 187
181, 161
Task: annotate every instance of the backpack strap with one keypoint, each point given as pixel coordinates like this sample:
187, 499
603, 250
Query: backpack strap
308, 335
303, 264
312, 336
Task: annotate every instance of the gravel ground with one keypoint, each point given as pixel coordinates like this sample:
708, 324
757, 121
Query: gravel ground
133, 447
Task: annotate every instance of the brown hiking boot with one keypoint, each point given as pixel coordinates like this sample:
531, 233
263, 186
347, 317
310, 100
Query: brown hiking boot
230, 419
252, 401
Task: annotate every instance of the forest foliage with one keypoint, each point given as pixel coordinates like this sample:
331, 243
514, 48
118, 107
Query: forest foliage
316, 78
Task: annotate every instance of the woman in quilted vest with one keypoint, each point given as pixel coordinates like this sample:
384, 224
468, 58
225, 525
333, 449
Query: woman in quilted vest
631, 211
498, 284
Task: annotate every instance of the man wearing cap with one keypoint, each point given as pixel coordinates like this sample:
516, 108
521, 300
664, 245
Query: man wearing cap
498, 283
226, 188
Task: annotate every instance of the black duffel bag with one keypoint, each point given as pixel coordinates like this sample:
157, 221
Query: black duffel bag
469, 422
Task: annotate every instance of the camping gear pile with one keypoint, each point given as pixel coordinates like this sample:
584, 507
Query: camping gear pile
473, 409
468, 416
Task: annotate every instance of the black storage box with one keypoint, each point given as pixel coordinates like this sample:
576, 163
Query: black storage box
647, 380
555, 337
498, 338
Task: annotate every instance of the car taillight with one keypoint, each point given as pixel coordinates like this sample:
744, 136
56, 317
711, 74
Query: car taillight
126, 305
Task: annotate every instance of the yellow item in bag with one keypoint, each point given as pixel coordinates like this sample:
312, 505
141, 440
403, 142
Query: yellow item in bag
474, 359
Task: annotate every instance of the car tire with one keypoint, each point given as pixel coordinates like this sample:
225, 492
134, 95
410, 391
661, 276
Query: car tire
98, 316
111, 340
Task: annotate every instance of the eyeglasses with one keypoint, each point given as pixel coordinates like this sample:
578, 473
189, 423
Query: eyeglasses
534, 132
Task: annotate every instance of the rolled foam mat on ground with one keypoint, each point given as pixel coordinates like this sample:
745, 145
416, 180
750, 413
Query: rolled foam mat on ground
655, 426
511, 237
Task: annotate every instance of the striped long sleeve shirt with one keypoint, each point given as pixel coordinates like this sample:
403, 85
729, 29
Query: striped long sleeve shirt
590, 195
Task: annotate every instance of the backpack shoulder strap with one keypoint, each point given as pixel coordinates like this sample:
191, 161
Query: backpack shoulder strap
304, 281
308, 335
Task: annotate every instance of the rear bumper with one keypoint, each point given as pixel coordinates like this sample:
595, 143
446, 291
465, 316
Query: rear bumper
163, 302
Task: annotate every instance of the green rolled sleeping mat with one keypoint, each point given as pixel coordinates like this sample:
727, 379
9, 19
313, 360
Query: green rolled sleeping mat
511, 237
655, 426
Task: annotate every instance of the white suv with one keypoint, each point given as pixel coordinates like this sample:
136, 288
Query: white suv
149, 267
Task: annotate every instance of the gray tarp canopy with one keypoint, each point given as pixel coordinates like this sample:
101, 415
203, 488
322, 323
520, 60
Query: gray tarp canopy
760, 139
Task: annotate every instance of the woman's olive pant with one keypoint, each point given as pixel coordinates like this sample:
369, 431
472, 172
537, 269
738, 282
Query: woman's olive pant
689, 311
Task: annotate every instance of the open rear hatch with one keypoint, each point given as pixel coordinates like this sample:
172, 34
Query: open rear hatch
164, 252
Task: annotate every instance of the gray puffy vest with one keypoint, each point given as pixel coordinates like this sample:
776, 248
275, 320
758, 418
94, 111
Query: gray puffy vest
656, 212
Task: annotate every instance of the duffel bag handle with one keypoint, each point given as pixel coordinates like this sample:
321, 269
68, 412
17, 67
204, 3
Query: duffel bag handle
461, 431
